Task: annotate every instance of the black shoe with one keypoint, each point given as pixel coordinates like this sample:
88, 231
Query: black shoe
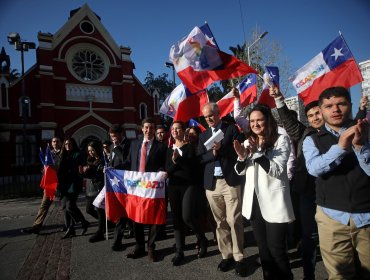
240, 269
226, 265
152, 255
117, 246
136, 253
203, 246
30, 230
85, 225
69, 233
177, 259
96, 237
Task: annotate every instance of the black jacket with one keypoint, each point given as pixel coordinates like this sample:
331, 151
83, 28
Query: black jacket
119, 155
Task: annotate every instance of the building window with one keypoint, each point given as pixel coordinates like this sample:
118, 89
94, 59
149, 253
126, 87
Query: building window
87, 63
143, 111
24, 106
156, 103
27, 148
4, 97
87, 27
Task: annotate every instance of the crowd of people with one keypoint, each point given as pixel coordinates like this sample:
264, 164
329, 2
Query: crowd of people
272, 173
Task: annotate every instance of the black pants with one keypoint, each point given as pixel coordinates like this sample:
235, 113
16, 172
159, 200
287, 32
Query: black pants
72, 214
119, 230
186, 205
271, 242
309, 235
140, 236
90, 208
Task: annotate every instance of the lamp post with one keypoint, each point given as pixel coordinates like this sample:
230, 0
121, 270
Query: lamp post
23, 46
259, 38
170, 65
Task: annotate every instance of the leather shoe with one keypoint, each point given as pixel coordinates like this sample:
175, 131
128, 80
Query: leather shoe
85, 226
69, 233
96, 237
240, 269
226, 265
136, 253
203, 246
152, 255
117, 246
30, 230
177, 259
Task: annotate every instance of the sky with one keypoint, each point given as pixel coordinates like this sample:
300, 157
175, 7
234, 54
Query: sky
303, 28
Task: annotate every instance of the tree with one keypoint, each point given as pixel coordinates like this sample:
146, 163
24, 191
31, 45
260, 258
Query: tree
13, 75
161, 83
265, 52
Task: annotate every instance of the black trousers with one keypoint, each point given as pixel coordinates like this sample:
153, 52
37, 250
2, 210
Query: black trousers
309, 235
271, 241
90, 208
186, 205
140, 236
72, 214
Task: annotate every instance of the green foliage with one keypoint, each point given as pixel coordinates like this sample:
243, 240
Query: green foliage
161, 83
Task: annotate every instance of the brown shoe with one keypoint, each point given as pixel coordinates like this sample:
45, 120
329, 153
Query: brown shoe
136, 253
152, 255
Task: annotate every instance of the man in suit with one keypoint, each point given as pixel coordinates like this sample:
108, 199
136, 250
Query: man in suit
146, 148
119, 152
222, 186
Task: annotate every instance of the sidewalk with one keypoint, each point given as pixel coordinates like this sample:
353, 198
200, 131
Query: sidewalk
46, 256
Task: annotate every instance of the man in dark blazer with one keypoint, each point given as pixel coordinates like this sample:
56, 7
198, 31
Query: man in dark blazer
118, 160
155, 161
222, 186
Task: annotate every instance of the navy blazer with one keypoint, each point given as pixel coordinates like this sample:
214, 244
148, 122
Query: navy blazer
156, 158
226, 156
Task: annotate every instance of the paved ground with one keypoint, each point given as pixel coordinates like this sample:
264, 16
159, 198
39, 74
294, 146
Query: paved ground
46, 256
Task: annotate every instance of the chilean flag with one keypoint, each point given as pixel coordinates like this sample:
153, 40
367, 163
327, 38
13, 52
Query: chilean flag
199, 62
139, 196
248, 94
49, 180
182, 105
193, 123
270, 78
334, 66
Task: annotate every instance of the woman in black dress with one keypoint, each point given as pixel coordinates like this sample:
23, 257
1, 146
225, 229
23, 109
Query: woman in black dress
184, 181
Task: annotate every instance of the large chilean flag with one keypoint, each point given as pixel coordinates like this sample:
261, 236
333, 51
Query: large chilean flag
137, 195
334, 66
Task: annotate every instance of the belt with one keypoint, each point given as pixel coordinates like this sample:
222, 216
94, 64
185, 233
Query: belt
219, 177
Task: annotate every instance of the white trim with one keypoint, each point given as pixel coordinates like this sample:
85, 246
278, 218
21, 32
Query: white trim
46, 73
45, 45
82, 118
46, 67
146, 110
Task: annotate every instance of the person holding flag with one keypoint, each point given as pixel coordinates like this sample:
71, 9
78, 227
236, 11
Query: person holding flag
46, 199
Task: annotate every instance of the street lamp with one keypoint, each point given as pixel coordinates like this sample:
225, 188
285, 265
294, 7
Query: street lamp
23, 46
259, 38
170, 65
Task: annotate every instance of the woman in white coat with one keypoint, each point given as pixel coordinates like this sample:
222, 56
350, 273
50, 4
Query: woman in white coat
263, 158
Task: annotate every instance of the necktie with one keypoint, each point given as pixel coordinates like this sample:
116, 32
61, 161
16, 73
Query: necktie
143, 156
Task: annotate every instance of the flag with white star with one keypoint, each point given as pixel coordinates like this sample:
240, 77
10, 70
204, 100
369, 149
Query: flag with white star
333, 67
139, 196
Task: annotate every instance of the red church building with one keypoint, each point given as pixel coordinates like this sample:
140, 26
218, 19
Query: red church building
81, 83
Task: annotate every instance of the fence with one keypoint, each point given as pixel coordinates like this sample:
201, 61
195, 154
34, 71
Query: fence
20, 185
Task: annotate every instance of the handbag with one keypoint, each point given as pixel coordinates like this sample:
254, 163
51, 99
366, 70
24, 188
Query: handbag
91, 190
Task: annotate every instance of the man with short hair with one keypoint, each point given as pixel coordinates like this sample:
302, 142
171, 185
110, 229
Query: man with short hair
146, 155
339, 156
160, 134
46, 201
119, 152
223, 191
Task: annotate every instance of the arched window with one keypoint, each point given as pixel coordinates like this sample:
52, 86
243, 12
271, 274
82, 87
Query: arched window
156, 103
143, 111
24, 106
3, 97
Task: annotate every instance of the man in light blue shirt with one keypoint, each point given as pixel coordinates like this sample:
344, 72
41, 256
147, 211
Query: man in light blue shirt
339, 156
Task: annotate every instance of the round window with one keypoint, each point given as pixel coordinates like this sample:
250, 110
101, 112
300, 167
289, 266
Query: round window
87, 27
87, 63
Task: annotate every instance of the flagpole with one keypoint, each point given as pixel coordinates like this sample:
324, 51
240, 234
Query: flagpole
105, 205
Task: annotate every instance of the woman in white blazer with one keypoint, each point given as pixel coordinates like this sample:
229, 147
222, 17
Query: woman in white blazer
263, 158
